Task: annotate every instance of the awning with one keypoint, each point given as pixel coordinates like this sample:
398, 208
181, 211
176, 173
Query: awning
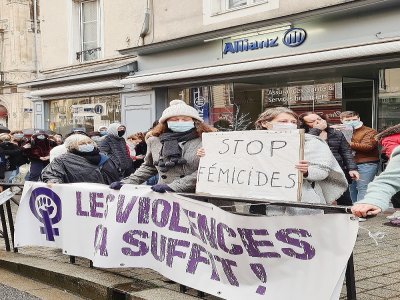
101, 85
340, 54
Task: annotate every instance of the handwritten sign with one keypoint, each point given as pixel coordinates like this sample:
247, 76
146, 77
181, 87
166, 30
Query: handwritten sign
251, 164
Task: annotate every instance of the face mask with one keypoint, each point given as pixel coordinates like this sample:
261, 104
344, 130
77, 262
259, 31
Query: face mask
354, 123
180, 126
18, 136
41, 137
121, 133
103, 132
86, 148
283, 126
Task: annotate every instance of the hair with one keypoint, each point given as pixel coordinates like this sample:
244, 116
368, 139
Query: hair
16, 131
271, 113
163, 127
349, 113
5, 137
72, 142
304, 125
136, 136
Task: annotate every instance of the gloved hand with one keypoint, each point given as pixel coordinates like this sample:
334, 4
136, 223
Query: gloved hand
116, 185
161, 188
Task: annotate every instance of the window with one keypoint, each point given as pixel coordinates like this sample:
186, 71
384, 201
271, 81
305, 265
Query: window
240, 3
89, 17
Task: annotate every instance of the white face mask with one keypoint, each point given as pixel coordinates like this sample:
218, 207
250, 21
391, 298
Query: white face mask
283, 126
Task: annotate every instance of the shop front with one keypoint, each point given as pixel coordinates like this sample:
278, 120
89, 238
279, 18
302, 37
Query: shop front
343, 61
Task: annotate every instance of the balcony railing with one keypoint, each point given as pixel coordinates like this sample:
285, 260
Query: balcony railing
89, 54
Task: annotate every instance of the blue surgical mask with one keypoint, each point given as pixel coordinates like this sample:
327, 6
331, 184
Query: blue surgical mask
180, 126
283, 126
18, 136
41, 137
86, 148
103, 132
354, 123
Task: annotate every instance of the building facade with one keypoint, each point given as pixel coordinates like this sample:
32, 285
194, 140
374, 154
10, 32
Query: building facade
17, 62
230, 59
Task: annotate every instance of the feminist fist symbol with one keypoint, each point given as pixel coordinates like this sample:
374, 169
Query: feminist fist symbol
46, 207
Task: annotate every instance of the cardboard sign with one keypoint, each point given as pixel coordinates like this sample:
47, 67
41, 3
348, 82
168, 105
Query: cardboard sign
252, 164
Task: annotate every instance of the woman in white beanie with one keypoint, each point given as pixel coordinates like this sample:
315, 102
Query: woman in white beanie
171, 151
83, 162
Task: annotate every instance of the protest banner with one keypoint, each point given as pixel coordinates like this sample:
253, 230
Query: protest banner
252, 164
191, 242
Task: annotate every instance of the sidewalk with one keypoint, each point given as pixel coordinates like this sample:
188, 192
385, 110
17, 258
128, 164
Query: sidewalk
377, 269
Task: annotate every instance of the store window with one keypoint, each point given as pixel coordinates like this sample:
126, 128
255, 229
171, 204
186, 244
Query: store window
236, 106
241, 3
88, 113
389, 98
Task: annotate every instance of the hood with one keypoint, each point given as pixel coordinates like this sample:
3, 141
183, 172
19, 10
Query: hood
113, 129
387, 132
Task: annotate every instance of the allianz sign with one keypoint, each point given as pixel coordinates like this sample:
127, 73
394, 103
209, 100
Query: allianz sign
292, 38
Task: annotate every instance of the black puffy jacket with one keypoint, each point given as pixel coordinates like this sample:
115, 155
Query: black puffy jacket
116, 149
339, 147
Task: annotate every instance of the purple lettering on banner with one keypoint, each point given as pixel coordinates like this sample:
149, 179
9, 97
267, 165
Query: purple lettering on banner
100, 240
192, 215
252, 246
235, 249
94, 204
283, 235
195, 258
227, 267
128, 237
175, 218
109, 199
172, 252
144, 210
123, 214
206, 233
259, 271
165, 213
155, 246
79, 210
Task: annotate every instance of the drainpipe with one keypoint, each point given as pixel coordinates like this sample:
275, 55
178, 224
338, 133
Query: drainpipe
35, 37
146, 23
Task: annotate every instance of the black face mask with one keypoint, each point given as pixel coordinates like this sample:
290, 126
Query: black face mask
121, 133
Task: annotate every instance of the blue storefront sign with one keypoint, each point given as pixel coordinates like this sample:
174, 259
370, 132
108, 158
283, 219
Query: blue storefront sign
293, 37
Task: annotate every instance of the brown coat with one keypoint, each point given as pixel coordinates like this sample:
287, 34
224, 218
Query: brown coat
364, 144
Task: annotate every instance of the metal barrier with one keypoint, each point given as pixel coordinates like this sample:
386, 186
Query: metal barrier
350, 278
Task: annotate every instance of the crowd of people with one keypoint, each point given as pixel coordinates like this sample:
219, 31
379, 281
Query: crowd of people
335, 169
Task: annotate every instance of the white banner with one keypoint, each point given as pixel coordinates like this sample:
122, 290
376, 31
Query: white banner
194, 243
251, 164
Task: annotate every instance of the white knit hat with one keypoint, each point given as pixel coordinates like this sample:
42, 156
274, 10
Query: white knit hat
179, 108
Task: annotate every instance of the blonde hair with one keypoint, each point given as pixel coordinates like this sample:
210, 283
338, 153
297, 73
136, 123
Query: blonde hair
5, 137
271, 113
73, 141
348, 114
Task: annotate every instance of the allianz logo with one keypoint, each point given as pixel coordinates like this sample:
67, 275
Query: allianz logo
293, 37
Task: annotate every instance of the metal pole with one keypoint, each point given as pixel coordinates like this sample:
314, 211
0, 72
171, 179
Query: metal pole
351, 280
5, 230
11, 223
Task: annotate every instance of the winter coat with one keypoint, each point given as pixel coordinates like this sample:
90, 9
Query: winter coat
14, 155
324, 183
140, 149
339, 146
116, 149
384, 186
389, 139
71, 168
181, 178
39, 148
